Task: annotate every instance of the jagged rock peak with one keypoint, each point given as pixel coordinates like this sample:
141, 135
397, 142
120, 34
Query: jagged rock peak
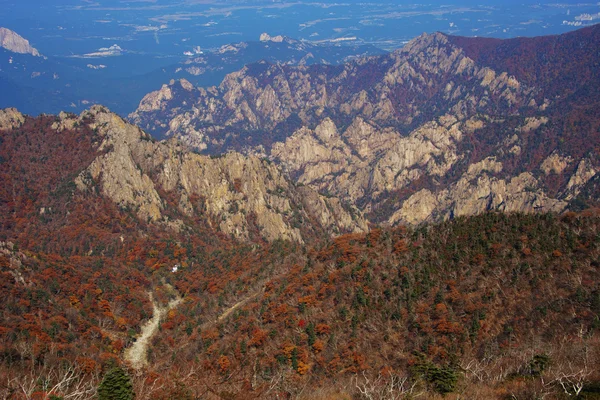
10, 118
441, 128
112, 125
424, 41
12, 41
237, 191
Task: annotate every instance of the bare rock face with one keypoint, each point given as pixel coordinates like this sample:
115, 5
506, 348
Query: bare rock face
365, 161
265, 37
10, 118
64, 121
119, 175
555, 164
11, 41
153, 101
236, 192
422, 134
473, 196
583, 174
17, 264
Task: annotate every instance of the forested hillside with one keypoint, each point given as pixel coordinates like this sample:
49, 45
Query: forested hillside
147, 269
493, 306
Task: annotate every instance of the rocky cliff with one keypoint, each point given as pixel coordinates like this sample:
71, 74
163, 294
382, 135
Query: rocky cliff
12, 41
10, 118
239, 195
434, 130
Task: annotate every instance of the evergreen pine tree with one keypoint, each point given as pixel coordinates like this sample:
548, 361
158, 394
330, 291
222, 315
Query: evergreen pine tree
116, 385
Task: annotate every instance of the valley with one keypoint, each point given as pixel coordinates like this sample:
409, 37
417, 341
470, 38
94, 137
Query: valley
420, 224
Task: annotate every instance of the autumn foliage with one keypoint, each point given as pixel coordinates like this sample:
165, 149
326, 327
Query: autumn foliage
482, 307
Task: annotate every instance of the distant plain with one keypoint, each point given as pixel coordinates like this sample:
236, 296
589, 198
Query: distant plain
151, 33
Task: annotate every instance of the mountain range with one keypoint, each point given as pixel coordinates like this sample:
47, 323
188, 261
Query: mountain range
419, 224
110, 76
445, 126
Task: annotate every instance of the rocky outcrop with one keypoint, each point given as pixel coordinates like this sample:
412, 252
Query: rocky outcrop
237, 193
555, 164
12, 41
476, 195
583, 174
265, 37
364, 160
155, 100
421, 134
117, 172
10, 118
17, 266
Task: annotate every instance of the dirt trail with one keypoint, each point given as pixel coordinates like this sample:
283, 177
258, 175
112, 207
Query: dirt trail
236, 306
136, 355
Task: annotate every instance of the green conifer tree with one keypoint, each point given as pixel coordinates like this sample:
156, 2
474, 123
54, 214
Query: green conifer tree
116, 385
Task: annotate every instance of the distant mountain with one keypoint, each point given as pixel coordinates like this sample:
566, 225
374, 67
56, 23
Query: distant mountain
12, 41
76, 83
445, 126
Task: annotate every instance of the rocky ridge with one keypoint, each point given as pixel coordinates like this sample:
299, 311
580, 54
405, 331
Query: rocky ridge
261, 96
236, 193
422, 134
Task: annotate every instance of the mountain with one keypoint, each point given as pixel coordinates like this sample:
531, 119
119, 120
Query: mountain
13, 42
445, 126
477, 307
147, 268
114, 78
81, 195
166, 184
209, 67
194, 276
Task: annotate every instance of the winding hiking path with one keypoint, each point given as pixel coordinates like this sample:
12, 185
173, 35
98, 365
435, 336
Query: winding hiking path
137, 354
236, 306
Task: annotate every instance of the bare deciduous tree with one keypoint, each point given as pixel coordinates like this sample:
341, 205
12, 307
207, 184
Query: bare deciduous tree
68, 382
390, 387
